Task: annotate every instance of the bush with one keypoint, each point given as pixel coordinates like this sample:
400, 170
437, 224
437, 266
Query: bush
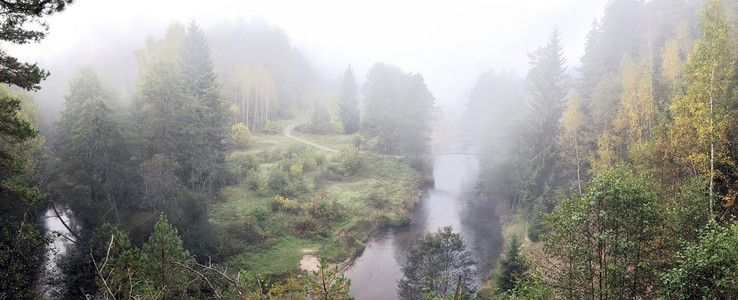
320, 208
285, 205
239, 164
348, 162
320, 123
246, 229
378, 198
337, 127
278, 180
256, 182
272, 127
307, 227
240, 136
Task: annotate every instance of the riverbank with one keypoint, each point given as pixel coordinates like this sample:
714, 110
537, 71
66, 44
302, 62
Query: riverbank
512, 225
319, 210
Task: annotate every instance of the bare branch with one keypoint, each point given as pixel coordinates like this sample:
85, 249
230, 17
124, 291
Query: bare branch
100, 270
201, 276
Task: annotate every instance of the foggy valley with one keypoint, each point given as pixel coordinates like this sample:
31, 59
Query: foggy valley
531, 149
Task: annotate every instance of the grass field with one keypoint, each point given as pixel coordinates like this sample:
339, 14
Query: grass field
329, 212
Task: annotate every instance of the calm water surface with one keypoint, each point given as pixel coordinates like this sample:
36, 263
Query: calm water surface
452, 201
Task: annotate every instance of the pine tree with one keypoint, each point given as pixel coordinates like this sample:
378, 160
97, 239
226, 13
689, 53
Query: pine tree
160, 256
348, 103
21, 242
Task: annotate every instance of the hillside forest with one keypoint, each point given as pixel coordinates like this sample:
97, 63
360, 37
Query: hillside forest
222, 158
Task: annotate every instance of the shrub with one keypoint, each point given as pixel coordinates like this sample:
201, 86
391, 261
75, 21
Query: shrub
272, 127
321, 208
240, 136
307, 227
239, 164
285, 205
337, 127
246, 228
278, 180
320, 123
378, 198
348, 162
256, 182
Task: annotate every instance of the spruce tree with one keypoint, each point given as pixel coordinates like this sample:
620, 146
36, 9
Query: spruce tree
512, 266
205, 112
348, 103
548, 87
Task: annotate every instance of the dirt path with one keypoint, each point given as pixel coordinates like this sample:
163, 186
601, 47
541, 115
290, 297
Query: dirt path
288, 133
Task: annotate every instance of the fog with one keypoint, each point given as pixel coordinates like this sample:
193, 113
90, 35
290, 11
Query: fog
505, 143
449, 44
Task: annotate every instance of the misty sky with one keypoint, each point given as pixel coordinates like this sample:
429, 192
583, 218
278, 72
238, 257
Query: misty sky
450, 42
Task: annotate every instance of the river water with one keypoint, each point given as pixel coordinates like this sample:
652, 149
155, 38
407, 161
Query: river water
61, 242
452, 201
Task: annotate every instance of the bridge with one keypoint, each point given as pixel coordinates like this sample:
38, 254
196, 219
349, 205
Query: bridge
458, 153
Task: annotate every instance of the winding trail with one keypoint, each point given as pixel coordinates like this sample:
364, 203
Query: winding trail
288, 133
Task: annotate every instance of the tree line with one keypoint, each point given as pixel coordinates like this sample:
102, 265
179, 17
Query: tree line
141, 174
625, 174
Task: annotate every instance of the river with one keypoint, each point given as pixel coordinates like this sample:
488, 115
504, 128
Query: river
452, 201
61, 241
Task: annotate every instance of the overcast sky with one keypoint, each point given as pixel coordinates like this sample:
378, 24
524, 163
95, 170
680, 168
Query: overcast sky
450, 42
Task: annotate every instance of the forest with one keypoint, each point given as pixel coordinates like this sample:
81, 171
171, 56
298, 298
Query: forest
224, 164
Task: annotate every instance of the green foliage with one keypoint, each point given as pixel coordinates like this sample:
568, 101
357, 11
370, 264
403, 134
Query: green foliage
240, 136
702, 117
256, 182
22, 23
348, 103
512, 267
326, 284
160, 255
327, 211
705, 269
160, 184
530, 287
548, 88
399, 110
437, 262
240, 164
14, 129
688, 211
283, 204
320, 123
279, 182
272, 127
22, 248
536, 227
606, 240
195, 61
117, 262
347, 162
91, 157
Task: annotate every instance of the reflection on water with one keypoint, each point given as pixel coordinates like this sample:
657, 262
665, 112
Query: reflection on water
61, 242
452, 201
